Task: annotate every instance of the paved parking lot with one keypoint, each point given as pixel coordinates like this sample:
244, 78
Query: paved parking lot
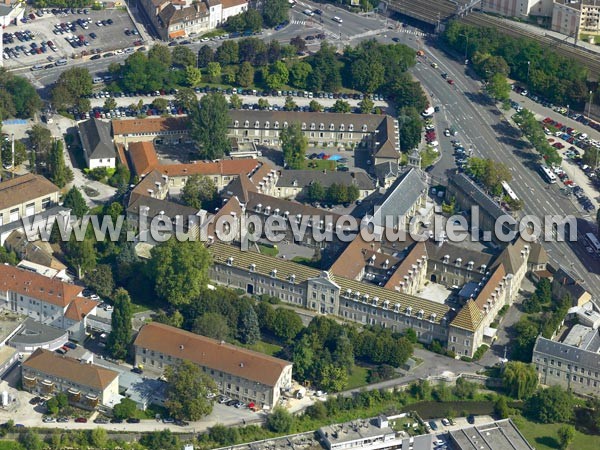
42, 29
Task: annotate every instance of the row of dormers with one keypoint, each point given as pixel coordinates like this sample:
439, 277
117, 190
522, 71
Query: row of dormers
304, 126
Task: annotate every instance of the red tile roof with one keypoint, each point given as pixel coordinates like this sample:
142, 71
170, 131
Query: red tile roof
222, 167
143, 157
79, 308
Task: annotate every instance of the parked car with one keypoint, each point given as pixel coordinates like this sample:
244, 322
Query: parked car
81, 420
471, 419
133, 420
115, 420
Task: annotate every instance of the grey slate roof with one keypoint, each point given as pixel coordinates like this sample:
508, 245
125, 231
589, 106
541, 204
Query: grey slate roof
387, 169
582, 357
573, 286
470, 189
402, 196
96, 139
303, 178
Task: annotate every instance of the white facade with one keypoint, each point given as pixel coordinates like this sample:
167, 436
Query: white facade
95, 163
519, 8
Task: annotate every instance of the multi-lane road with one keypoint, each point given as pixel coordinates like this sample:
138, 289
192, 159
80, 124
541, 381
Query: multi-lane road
463, 106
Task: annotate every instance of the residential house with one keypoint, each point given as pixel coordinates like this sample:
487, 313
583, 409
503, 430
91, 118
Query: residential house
98, 146
238, 372
87, 386
566, 284
294, 183
37, 256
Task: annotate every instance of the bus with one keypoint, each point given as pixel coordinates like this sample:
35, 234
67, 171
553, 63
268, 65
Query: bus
593, 241
511, 194
547, 174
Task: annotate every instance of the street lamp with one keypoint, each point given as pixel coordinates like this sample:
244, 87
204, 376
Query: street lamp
590, 103
528, 65
466, 36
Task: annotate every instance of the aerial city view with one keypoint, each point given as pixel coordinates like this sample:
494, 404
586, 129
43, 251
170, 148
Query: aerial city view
300, 225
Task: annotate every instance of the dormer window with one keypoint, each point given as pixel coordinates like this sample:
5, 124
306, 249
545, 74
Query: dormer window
397, 307
276, 212
470, 265
351, 127
285, 125
230, 261
252, 267
246, 124
258, 207
432, 317
256, 124
313, 126
446, 259
274, 273
458, 262
236, 123
364, 128
342, 127
276, 125
267, 124
408, 310
331, 127
420, 314
303, 126
321, 126
292, 278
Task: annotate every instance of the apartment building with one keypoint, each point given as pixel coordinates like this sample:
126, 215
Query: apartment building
294, 184
239, 373
166, 130
519, 8
87, 386
46, 300
573, 364
575, 17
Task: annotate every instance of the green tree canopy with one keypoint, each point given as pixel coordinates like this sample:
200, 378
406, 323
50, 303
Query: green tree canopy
293, 145
199, 191
72, 88
280, 420
75, 201
209, 126
550, 405
119, 338
212, 325
125, 409
187, 391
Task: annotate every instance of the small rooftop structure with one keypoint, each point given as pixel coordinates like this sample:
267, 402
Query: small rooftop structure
499, 435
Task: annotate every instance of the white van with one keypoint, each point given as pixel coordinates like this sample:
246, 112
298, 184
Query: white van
97, 80
308, 12
61, 62
337, 19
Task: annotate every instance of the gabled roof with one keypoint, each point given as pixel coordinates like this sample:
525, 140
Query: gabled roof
418, 251
154, 182
387, 169
206, 352
357, 254
37, 286
469, 317
143, 157
221, 167
65, 368
16, 191
537, 254
476, 195
149, 125
96, 139
79, 308
31, 251
577, 355
402, 195
304, 178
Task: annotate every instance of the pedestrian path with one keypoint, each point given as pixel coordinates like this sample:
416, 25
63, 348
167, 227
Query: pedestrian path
298, 22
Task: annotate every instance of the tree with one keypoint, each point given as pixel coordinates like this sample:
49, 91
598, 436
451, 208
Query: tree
566, 434
59, 173
290, 105
406, 92
227, 53
278, 75
550, 405
81, 255
367, 75
125, 409
161, 55
501, 409
410, 128
205, 55
245, 76
235, 101
315, 192
253, 50
110, 103
280, 421
299, 73
101, 280
341, 106
193, 76
464, 389
498, 88
293, 145
183, 56
25, 99
20, 153
8, 257
40, 141
315, 106
263, 104
30, 440
366, 105
180, 270
198, 190
71, 89
186, 99
275, 12
120, 179
325, 75
298, 43
333, 378
209, 126
222, 435
187, 391
286, 324
161, 104
248, 330
164, 439
212, 325
75, 201
52, 406
520, 379
98, 437
120, 336
213, 71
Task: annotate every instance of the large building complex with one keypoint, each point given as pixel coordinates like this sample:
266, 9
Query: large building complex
239, 373
576, 17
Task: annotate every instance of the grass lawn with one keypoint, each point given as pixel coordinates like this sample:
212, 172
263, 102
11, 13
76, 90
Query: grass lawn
319, 164
544, 437
10, 445
266, 250
358, 377
265, 347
